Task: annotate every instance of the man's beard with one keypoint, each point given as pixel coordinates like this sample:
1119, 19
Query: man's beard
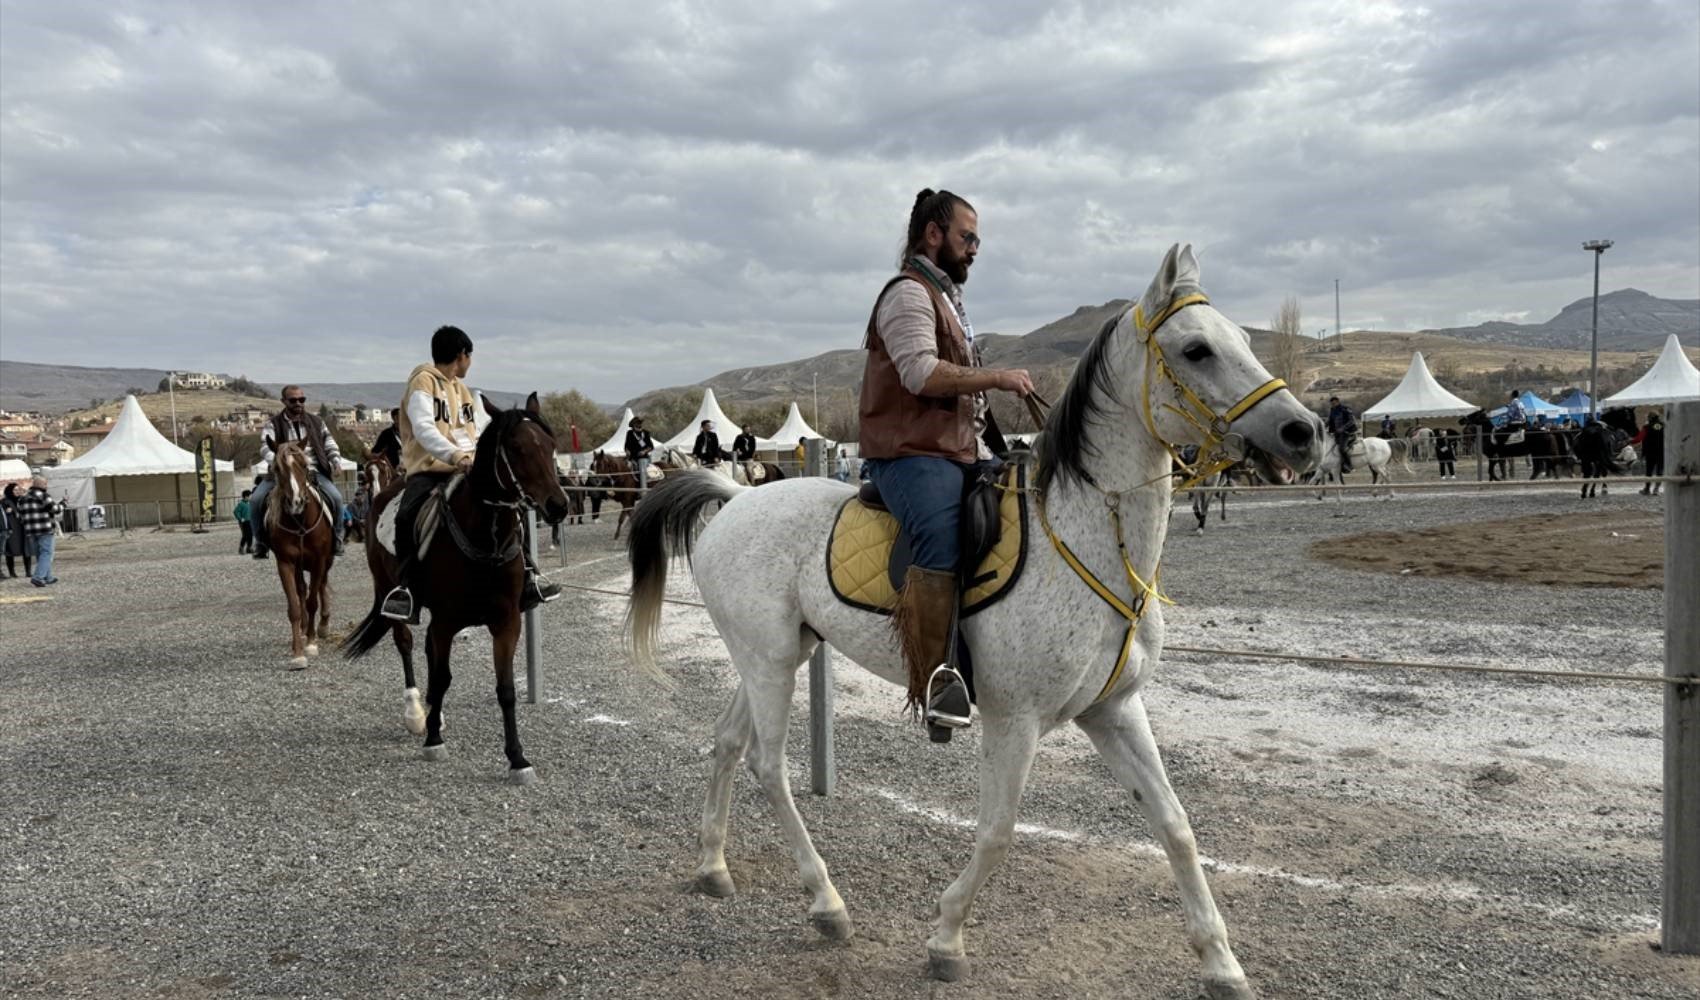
953, 264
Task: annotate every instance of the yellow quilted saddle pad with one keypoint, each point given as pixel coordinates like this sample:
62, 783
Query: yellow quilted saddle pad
859, 552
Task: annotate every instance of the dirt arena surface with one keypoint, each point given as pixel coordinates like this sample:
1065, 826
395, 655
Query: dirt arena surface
186, 818
1620, 548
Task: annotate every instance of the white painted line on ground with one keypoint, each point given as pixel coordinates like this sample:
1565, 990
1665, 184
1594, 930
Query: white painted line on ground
1462, 892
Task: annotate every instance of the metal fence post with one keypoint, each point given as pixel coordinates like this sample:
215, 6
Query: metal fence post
1478, 453
1681, 911
533, 626
823, 775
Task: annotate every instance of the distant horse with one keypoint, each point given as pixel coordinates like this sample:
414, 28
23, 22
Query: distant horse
613, 475
1546, 450
301, 527
1422, 443
1209, 488
1073, 640
738, 472
473, 571
1375, 453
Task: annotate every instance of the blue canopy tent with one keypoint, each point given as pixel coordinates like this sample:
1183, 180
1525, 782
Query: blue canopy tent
1575, 404
1533, 406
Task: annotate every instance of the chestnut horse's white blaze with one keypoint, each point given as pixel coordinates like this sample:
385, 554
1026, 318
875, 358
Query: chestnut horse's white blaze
1047, 652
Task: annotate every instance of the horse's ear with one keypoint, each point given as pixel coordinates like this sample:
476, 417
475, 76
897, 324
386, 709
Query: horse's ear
532, 407
489, 407
1186, 266
1162, 288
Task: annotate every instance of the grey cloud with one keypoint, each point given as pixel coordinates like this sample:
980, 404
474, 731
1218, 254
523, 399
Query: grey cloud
614, 199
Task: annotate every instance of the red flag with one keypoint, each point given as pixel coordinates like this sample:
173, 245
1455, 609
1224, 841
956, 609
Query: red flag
575, 437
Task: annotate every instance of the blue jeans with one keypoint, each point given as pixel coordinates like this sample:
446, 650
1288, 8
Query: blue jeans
261, 492
43, 545
925, 495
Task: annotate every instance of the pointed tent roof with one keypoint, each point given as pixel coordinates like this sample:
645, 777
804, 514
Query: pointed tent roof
794, 429
1575, 404
134, 448
1672, 377
708, 410
1419, 395
617, 443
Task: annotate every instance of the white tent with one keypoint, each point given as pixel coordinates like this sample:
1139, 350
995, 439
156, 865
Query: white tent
14, 470
708, 410
136, 464
616, 445
1673, 377
1419, 395
793, 430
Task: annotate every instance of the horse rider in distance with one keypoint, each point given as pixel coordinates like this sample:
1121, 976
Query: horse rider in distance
922, 414
640, 451
1344, 426
1515, 419
294, 423
438, 440
706, 449
744, 452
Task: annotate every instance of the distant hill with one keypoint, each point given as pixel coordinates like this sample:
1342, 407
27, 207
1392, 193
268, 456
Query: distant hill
63, 388
1630, 320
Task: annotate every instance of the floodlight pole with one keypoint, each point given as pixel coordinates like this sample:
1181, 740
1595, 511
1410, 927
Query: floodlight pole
1339, 340
171, 389
1599, 247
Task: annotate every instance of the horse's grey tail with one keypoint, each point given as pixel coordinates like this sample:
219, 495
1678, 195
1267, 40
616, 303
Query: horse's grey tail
1402, 448
664, 525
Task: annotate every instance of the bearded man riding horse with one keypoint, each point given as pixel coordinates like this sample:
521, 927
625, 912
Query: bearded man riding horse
294, 423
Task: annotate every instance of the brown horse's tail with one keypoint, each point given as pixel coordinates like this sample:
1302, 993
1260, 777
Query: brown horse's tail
664, 525
368, 633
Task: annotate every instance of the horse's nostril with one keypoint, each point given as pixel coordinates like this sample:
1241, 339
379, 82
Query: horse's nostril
1298, 433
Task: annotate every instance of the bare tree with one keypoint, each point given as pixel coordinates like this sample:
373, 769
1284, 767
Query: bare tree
1289, 344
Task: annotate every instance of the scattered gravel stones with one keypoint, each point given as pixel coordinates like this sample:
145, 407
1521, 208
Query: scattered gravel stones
187, 818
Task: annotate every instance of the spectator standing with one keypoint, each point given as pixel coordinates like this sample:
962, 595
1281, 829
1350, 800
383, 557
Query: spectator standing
1446, 453
1652, 441
15, 542
5, 531
241, 514
843, 473
37, 514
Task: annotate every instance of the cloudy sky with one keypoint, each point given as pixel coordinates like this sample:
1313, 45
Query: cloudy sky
616, 197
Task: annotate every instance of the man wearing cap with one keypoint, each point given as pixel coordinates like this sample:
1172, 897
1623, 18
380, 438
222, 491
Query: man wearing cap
640, 451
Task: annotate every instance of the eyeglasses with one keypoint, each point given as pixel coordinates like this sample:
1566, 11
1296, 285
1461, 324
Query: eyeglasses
295, 399
970, 239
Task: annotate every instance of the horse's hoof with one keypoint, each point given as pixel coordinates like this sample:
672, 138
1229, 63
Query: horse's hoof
436, 752
834, 926
312, 649
1220, 989
946, 968
716, 883
298, 663
523, 776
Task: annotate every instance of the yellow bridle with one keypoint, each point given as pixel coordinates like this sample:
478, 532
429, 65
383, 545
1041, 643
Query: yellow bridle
1212, 457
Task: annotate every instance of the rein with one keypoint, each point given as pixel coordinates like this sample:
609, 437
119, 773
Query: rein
1215, 453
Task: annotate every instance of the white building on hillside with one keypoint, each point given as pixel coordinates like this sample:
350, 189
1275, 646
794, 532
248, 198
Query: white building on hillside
200, 380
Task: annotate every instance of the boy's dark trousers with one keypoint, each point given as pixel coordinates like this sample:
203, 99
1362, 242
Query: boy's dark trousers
247, 543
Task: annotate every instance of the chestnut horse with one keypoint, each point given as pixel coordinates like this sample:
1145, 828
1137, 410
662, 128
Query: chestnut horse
473, 572
613, 474
300, 527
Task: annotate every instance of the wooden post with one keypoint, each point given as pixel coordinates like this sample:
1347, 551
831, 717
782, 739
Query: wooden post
823, 775
1681, 911
1478, 453
533, 626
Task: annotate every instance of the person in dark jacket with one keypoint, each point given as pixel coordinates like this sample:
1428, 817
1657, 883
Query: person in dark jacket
389, 442
1446, 453
1343, 424
744, 446
15, 546
1652, 443
706, 450
640, 451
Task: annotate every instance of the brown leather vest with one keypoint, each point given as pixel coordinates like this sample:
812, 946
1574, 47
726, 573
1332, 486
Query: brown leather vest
896, 423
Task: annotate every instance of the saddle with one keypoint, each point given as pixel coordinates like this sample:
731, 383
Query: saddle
1515, 437
425, 525
868, 552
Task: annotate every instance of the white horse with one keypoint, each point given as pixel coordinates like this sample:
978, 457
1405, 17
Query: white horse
1171, 371
1375, 453
1422, 443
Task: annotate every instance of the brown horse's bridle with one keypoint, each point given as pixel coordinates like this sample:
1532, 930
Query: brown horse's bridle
306, 489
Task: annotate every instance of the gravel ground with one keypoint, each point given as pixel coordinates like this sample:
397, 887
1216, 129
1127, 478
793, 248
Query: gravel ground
186, 818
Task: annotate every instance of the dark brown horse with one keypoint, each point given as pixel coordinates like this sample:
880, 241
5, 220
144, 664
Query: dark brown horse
613, 475
473, 572
1546, 450
300, 526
